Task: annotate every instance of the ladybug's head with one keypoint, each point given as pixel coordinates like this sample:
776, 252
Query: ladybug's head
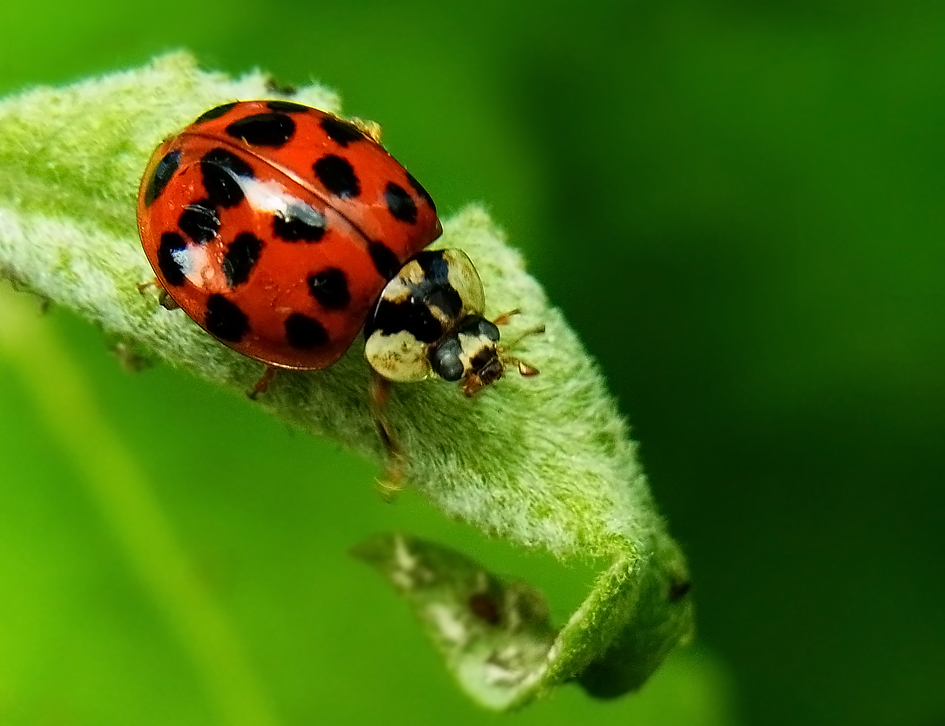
471, 354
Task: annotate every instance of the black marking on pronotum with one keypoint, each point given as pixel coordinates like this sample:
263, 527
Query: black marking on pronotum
225, 320
215, 112
161, 176
412, 317
263, 129
330, 288
170, 268
484, 361
384, 259
200, 221
400, 203
418, 188
304, 332
341, 132
483, 357
295, 229
287, 107
221, 171
337, 176
241, 257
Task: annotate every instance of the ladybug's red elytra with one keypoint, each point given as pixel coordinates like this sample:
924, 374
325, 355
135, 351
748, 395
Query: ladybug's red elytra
275, 226
281, 230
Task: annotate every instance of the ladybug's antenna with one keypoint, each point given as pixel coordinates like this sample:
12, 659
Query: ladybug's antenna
537, 330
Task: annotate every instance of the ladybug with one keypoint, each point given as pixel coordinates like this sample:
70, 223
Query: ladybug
283, 231
428, 322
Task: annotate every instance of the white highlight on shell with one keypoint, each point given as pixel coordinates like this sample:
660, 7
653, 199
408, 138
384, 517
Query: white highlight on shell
192, 260
271, 196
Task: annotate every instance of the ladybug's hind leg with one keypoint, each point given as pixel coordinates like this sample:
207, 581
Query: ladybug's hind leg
391, 483
262, 385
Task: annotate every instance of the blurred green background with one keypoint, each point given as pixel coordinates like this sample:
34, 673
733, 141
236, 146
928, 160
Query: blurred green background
739, 205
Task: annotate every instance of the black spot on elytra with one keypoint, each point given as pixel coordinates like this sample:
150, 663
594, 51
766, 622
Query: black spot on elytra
400, 203
435, 289
215, 113
384, 259
447, 300
330, 288
304, 332
341, 132
295, 229
435, 268
263, 129
337, 176
222, 171
171, 242
287, 107
225, 320
200, 221
418, 188
411, 316
241, 257
161, 176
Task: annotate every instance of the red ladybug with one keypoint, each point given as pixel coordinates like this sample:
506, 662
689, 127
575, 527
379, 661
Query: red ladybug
276, 226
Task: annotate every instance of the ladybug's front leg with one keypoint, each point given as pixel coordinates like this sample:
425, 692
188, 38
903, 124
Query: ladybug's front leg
390, 484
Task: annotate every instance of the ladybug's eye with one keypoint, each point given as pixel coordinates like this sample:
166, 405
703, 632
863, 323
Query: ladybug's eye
445, 360
479, 327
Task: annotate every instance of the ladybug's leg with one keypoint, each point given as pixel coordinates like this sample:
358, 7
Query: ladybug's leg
166, 301
390, 485
504, 318
262, 385
525, 369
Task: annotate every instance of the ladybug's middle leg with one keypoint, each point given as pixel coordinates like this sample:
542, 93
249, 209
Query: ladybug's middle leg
380, 392
505, 318
167, 302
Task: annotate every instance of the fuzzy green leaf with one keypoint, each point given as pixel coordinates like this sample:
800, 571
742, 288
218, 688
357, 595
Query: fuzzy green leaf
544, 462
